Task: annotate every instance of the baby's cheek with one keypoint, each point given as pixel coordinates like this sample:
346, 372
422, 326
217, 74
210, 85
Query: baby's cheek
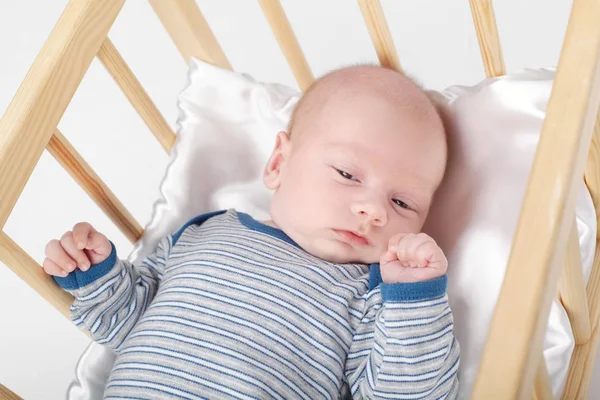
327, 196
380, 245
405, 224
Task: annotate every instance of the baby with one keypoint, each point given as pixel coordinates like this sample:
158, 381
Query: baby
337, 292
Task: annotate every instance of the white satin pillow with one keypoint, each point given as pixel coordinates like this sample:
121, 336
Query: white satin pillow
226, 132
227, 128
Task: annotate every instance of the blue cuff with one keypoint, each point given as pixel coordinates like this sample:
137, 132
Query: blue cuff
78, 278
414, 290
374, 276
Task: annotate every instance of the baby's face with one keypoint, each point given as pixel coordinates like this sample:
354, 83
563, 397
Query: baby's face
353, 179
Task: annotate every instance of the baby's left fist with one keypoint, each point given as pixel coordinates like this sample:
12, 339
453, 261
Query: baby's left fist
412, 258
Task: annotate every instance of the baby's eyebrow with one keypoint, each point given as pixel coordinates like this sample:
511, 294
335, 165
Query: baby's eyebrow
344, 150
339, 151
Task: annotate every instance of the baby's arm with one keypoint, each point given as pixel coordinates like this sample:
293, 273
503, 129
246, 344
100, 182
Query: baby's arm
404, 346
110, 294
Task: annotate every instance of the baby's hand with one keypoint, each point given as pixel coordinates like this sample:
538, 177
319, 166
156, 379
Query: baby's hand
412, 258
81, 247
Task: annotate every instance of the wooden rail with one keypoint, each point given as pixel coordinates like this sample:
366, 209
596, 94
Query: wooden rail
572, 290
135, 93
584, 355
189, 31
287, 42
380, 33
32, 273
488, 37
90, 182
33, 114
510, 360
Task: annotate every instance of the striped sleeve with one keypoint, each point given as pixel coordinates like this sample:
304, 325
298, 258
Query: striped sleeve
403, 346
111, 296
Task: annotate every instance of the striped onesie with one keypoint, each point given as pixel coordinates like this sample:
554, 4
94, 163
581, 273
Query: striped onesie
229, 307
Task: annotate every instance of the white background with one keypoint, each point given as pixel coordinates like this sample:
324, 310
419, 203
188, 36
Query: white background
436, 43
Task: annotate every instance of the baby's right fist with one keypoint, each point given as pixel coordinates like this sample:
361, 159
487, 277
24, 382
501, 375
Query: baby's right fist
81, 247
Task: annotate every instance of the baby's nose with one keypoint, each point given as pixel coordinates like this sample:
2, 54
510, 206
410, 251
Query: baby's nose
372, 212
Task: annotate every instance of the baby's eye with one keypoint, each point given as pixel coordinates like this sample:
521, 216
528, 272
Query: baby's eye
346, 175
401, 203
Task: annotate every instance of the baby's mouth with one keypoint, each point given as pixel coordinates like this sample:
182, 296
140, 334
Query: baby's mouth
352, 237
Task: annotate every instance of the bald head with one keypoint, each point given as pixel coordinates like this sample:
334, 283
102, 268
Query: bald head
346, 84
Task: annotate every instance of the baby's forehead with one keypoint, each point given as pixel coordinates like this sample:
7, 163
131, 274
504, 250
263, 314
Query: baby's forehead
362, 84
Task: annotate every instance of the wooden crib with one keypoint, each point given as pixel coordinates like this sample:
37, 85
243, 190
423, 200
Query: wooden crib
545, 244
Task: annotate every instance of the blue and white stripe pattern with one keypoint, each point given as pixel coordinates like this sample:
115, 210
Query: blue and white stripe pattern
231, 308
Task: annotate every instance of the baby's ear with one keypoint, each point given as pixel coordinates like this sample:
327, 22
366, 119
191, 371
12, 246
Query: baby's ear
272, 174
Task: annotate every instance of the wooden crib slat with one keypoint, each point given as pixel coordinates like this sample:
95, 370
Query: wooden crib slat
592, 170
487, 35
510, 361
135, 93
543, 387
7, 394
380, 33
41, 100
90, 182
584, 355
572, 290
190, 32
32, 273
287, 42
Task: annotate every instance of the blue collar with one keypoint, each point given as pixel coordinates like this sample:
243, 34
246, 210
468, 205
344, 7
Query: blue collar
255, 225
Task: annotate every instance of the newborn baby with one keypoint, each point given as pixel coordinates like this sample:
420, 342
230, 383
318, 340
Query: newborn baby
337, 294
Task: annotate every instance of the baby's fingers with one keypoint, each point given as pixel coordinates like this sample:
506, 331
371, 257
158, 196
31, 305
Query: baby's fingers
433, 255
68, 244
403, 247
424, 253
81, 233
395, 240
59, 256
414, 256
407, 249
99, 244
388, 257
86, 237
51, 268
